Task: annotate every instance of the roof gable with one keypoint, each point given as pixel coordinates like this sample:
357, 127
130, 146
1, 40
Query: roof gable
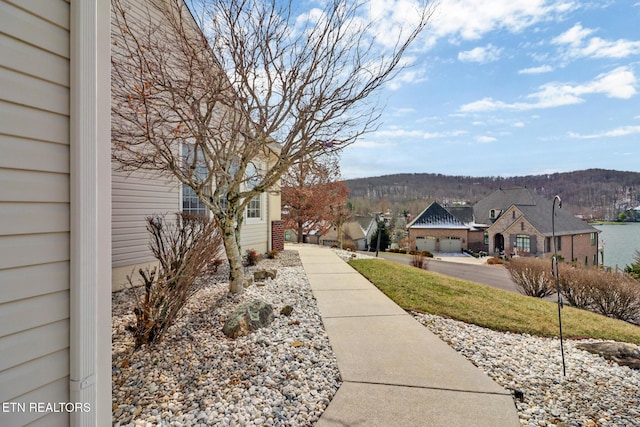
435, 216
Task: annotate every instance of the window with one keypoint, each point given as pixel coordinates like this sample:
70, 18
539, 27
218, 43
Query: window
254, 208
559, 242
492, 213
191, 203
594, 239
485, 239
523, 243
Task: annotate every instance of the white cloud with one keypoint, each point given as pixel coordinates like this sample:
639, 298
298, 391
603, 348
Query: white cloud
621, 131
619, 83
536, 70
449, 134
573, 36
484, 54
485, 139
397, 133
578, 46
470, 20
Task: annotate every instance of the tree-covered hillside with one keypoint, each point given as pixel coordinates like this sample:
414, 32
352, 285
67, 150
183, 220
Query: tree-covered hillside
593, 193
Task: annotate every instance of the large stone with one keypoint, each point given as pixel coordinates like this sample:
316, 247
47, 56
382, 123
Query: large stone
261, 275
622, 353
247, 318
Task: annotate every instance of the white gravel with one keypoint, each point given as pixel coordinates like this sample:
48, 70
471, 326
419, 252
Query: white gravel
281, 375
286, 374
595, 392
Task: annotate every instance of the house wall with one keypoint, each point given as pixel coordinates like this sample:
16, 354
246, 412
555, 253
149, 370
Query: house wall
476, 241
34, 207
54, 118
578, 247
136, 196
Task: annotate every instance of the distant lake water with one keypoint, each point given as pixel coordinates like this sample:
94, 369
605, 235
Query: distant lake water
620, 243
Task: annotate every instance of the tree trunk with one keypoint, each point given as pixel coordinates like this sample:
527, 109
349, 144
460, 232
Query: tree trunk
232, 250
300, 231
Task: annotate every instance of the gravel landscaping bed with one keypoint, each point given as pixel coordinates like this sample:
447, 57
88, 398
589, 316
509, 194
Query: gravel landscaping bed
286, 374
595, 392
281, 375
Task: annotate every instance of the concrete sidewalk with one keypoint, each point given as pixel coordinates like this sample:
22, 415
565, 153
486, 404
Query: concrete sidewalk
395, 372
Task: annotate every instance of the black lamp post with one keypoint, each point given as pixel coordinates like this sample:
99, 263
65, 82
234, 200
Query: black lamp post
556, 273
379, 232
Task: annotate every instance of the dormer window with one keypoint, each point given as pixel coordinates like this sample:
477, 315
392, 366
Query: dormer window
493, 214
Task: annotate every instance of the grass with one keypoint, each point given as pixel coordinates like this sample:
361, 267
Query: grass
427, 292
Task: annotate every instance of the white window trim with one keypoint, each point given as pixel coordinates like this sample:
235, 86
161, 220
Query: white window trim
263, 208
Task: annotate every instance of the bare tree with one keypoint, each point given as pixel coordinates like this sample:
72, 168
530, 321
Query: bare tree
309, 189
227, 95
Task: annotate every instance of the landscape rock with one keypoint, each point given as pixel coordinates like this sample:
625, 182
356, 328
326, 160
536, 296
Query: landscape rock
247, 318
262, 275
622, 353
286, 310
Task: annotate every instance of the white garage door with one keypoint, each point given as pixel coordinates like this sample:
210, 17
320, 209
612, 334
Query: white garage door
426, 243
450, 244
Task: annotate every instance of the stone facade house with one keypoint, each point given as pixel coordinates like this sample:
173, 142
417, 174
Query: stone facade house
518, 222
511, 222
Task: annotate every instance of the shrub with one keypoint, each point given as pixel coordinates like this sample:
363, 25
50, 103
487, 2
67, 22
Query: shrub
427, 253
251, 258
494, 260
634, 269
617, 296
532, 276
576, 285
349, 246
272, 254
185, 249
417, 260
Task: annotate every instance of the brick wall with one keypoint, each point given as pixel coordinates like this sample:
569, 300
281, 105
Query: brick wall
277, 235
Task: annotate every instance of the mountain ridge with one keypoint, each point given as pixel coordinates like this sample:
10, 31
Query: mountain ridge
592, 193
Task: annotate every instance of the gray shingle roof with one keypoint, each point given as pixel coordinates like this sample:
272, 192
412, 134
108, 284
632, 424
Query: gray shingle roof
435, 216
536, 209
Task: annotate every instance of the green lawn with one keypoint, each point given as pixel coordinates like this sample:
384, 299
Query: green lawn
426, 292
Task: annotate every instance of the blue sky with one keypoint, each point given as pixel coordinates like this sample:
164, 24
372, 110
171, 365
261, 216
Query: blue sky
511, 87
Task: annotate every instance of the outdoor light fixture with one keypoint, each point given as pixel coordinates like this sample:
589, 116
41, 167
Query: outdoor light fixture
556, 273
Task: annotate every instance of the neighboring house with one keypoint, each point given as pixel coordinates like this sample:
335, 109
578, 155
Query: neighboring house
369, 226
353, 235
509, 221
519, 222
55, 210
138, 195
437, 230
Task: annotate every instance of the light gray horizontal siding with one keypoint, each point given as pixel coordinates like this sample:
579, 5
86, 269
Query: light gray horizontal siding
34, 207
55, 388
134, 197
17, 153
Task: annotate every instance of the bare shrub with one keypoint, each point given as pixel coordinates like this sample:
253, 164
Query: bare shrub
617, 296
417, 259
185, 249
532, 276
576, 285
494, 260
